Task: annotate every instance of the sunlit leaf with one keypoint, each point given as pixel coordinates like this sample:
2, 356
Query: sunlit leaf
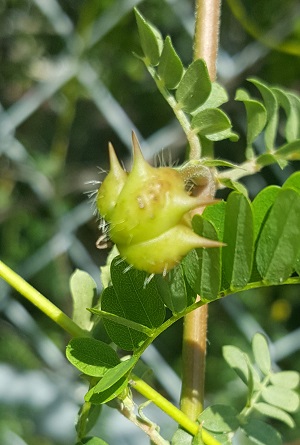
210, 121
195, 86
150, 39
275, 413
261, 353
293, 182
170, 68
291, 105
92, 441
279, 242
91, 356
262, 204
256, 117
286, 379
283, 398
238, 236
271, 105
217, 97
260, 433
112, 384
84, 293
219, 418
134, 298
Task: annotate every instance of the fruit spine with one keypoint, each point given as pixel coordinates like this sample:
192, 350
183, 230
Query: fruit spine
148, 212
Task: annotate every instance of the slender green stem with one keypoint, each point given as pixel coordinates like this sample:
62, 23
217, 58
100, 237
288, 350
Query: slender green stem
193, 140
40, 301
166, 406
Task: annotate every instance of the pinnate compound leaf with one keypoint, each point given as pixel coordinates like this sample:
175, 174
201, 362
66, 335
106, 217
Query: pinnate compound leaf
134, 300
283, 398
262, 204
279, 242
91, 356
275, 413
261, 353
92, 441
238, 235
150, 39
195, 86
256, 117
170, 68
271, 105
112, 384
84, 292
261, 433
286, 379
219, 418
210, 121
202, 267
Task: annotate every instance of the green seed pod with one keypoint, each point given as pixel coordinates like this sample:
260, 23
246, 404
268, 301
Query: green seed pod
149, 213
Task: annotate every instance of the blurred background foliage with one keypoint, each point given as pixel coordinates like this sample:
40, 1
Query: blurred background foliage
69, 83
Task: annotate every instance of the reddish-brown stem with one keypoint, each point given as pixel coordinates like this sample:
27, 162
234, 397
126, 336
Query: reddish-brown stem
195, 323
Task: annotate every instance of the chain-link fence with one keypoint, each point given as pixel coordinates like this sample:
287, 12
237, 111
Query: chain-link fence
69, 84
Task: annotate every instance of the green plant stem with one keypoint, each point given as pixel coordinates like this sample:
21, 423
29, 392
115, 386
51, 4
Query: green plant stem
41, 302
193, 140
166, 406
206, 41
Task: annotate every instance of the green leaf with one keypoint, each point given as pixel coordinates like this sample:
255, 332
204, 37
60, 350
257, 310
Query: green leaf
173, 290
291, 105
87, 418
234, 185
216, 215
90, 356
261, 433
122, 321
261, 206
203, 272
131, 297
210, 121
256, 117
195, 86
170, 68
271, 105
84, 292
92, 441
150, 39
279, 242
269, 159
221, 135
286, 379
112, 384
217, 97
293, 182
181, 437
219, 418
290, 150
238, 235
274, 413
237, 360
261, 353
283, 398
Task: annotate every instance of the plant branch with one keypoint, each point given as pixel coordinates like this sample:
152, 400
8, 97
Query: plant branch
41, 302
206, 40
193, 140
166, 406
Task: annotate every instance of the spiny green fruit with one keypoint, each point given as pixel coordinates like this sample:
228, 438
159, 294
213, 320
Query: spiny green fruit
149, 213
